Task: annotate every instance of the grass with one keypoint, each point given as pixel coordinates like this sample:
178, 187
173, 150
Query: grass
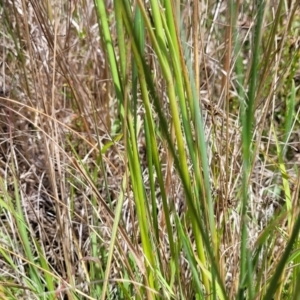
149, 151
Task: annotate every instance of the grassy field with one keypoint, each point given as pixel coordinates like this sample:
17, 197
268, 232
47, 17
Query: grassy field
149, 149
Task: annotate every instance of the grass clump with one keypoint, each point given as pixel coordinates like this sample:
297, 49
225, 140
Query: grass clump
148, 150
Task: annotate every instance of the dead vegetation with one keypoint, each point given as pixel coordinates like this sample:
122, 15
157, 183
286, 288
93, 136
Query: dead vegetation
63, 154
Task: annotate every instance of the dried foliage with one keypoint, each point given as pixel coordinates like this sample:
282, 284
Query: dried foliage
64, 158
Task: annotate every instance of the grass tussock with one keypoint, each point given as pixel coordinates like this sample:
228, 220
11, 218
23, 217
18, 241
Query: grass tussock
149, 150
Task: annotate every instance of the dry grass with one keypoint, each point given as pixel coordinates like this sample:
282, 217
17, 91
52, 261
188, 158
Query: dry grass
63, 151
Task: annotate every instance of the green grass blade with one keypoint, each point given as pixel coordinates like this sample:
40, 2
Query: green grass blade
273, 285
